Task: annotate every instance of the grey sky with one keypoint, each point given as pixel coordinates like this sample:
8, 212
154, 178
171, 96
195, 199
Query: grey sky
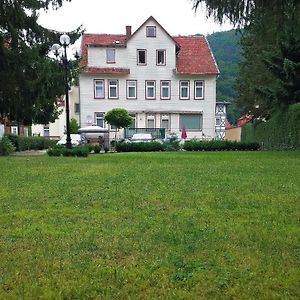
111, 16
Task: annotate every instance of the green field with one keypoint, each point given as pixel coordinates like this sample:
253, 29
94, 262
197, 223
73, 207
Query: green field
151, 226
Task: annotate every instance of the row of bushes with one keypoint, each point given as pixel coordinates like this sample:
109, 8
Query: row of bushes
217, 145
214, 145
281, 132
23, 143
79, 151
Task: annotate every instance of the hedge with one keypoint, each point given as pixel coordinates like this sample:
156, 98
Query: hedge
218, 145
79, 151
281, 132
140, 147
22, 143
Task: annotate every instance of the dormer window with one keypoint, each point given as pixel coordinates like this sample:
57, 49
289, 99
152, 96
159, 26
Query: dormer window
110, 55
150, 31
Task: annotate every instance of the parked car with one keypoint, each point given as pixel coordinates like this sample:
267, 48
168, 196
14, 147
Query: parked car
141, 137
76, 140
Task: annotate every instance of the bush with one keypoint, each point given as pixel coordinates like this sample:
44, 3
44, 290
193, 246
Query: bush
97, 149
140, 147
218, 145
22, 143
6, 146
281, 132
79, 151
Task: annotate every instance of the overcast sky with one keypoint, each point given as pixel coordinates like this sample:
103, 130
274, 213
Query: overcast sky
111, 16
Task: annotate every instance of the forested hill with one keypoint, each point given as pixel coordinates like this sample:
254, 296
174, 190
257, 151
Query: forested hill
226, 49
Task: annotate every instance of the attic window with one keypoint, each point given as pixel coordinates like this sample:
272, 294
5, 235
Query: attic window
150, 31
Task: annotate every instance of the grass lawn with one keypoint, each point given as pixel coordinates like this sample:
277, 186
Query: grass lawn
151, 225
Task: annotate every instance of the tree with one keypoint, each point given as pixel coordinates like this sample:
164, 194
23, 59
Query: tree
119, 118
74, 126
35, 80
269, 74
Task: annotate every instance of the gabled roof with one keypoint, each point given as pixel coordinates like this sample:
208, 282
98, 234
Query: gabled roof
104, 40
154, 20
195, 56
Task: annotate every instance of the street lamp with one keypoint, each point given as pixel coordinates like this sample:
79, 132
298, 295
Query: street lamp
61, 51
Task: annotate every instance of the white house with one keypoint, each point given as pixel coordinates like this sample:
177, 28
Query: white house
165, 82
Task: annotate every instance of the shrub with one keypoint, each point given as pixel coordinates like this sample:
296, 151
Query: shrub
140, 147
79, 151
218, 145
6, 146
22, 143
97, 149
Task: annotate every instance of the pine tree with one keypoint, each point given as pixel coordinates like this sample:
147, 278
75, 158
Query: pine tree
30, 81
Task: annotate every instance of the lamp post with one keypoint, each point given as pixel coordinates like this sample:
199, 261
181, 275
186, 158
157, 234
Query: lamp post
61, 51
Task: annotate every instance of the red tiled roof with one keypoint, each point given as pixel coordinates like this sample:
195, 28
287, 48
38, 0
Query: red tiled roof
194, 56
99, 40
106, 70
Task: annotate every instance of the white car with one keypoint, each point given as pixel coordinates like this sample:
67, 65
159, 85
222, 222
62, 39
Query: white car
76, 139
141, 137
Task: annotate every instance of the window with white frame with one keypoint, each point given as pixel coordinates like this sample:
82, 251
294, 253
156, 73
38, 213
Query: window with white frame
110, 55
150, 89
99, 88
165, 121
141, 57
150, 31
190, 121
99, 118
133, 123
77, 108
161, 57
131, 89
184, 89
46, 130
150, 121
14, 129
165, 89
199, 89
113, 89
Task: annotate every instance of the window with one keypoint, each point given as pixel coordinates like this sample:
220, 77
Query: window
218, 121
99, 119
77, 108
99, 88
150, 89
165, 89
14, 129
161, 57
165, 122
110, 55
184, 92
46, 131
132, 125
191, 121
199, 89
150, 121
131, 89
113, 89
141, 57
150, 31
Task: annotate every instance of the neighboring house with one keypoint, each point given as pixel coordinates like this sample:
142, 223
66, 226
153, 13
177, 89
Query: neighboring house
56, 130
165, 82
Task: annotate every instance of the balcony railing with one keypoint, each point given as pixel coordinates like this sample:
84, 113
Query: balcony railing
157, 133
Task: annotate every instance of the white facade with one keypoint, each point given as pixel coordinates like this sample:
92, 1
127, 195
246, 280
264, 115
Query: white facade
172, 113
56, 130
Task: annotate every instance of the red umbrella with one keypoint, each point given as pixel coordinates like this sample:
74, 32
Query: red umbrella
183, 133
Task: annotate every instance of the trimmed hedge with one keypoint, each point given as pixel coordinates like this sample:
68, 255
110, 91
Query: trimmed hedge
23, 143
140, 147
281, 132
216, 145
79, 151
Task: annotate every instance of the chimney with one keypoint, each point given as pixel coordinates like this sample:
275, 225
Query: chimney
128, 32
